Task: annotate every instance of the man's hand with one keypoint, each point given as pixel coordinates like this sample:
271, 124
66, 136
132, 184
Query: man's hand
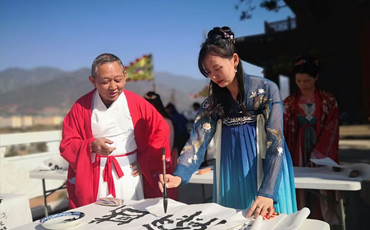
99, 146
137, 171
171, 181
261, 206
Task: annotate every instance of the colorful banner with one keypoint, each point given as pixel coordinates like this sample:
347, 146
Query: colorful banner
203, 93
141, 69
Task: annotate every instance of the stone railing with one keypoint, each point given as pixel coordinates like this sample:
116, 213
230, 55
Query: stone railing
14, 170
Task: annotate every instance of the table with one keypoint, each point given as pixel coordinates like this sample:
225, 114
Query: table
148, 214
49, 174
325, 178
320, 178
14, 210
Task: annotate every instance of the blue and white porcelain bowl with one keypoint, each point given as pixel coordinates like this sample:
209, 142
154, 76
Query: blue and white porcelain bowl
64, 220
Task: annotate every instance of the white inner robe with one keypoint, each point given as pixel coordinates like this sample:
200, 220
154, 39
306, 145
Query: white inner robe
115, 124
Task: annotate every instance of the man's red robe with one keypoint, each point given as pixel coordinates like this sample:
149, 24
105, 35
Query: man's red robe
151, 134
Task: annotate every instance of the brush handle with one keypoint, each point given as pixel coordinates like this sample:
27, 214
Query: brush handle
164, 164
165, 201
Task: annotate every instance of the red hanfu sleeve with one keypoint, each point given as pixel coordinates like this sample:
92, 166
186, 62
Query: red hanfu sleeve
328, 139
75, 149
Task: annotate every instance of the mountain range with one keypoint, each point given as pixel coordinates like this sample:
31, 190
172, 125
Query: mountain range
49, 90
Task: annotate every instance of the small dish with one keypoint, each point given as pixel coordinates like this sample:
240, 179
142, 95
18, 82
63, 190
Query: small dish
109, 201
64, 220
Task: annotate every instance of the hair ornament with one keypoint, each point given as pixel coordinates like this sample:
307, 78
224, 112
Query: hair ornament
150, 97
300, 62
228, 36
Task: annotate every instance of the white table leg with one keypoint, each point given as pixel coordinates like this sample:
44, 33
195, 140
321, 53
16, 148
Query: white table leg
342, 221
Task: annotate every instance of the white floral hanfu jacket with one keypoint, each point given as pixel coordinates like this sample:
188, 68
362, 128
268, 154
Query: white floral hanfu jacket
264, 104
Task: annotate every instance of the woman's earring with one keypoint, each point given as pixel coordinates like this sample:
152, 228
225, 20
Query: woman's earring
236, 70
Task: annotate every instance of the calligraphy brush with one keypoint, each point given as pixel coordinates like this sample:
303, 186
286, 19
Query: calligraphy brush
165, 201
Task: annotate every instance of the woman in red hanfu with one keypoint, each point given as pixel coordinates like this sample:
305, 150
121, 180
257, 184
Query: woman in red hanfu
311, 128
113, 140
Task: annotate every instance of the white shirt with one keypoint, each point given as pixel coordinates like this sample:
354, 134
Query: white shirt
115, 124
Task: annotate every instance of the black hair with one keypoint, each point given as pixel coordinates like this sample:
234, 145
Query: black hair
105, 58
220, 42
196, 105
306, 63
171, 107
154, 99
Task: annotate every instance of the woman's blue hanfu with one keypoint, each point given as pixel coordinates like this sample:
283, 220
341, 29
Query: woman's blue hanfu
254, 159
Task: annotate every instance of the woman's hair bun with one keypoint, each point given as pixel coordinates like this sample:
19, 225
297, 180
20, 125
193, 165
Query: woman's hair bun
223, 32
227, 30
306, 63
306, 59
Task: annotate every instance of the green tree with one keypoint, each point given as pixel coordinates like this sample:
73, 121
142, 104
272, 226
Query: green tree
247, 6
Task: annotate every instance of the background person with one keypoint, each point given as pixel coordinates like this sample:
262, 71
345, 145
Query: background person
311, 127
155, 99
196, 107
181, 129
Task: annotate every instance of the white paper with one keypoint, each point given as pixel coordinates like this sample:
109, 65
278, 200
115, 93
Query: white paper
325, 161
293, 221
14, 210
148, 214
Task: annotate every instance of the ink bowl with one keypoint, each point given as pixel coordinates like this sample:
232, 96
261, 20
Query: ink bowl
64, 220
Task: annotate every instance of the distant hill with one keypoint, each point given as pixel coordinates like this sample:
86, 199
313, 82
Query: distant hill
48, 90
15, 78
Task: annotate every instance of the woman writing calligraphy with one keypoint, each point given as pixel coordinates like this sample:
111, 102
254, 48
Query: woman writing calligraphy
253, 167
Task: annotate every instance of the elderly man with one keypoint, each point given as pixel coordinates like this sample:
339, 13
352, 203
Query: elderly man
113, 140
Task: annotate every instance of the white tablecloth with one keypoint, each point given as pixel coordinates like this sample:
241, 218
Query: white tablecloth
314, 178
14, 211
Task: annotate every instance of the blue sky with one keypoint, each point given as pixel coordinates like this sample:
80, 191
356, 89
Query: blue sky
69, 34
